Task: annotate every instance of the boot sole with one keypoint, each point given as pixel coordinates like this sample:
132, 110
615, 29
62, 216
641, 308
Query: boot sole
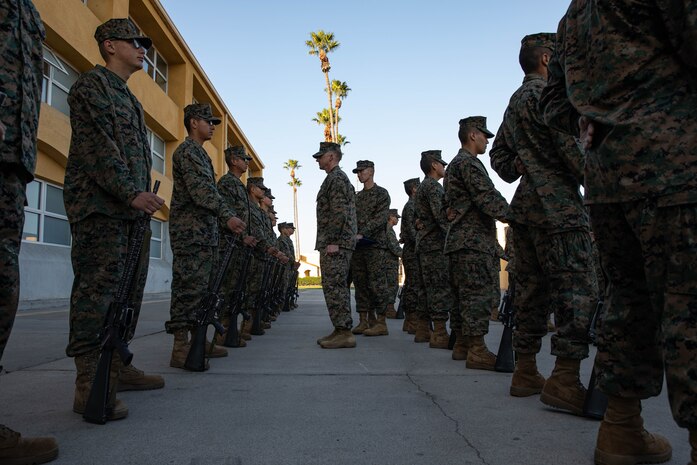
381, 333
208, 355
560, 404
438, 346
35, 459
342, 346
138, 387
604, 458
479, 366
516, 391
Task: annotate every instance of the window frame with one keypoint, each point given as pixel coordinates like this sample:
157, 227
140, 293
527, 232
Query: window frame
156, 239
43, 213
151, 139
55, 63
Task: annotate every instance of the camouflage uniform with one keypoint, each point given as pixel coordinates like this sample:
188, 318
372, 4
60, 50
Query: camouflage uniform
637, 84
367, 264
471, 241
108, 166
258, 228
429, 209
285, 245
392, 264
20, 86
336, 225
554, 260
410, 260
197, 206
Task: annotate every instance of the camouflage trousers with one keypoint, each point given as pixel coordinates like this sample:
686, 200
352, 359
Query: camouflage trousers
255, 278
337, 293
649, 253
230, 283
435, 286
193, 267
369, 280
411, 293
473, 278
12, 199
98, 254
392, 276
553, 272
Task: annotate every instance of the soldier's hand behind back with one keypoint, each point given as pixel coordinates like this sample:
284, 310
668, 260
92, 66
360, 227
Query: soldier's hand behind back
236, 225
147, 202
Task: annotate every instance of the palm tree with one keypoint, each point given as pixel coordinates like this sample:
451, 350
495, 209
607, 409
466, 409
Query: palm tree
341, 140
293, 165
321, 43
325, 118
341, 90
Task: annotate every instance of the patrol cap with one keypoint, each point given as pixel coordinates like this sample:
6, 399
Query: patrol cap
268, 193
257, 181
281, 226
325, 147
433, 155
237, 151
201, 111
123, 29
541, 39
478, 122
290, 225
393, 212
363, 164
409, 184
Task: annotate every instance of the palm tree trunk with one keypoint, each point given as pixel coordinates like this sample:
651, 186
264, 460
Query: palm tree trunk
336, 125
297, 225
331, 113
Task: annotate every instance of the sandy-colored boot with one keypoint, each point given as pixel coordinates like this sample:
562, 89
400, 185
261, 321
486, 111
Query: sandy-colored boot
328, 336
246, 330
362, 323
133, 379
693, 443
180, 349
86, 367
527, 380
16, 450
563, 389
377, 329
408, 322
439, 337
423, 331
343, 339
479, 357
622, 439
390, 312
461, 346
212, 350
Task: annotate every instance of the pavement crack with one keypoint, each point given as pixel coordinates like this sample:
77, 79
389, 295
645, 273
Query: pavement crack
458, 431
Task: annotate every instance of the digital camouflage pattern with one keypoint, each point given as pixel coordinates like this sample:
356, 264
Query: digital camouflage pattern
429, 209
372, 288
193, 266
372, 208
554, 269
109, 159
474, 280
411, 293
21, 35
336, 225
640, 181
392, 263
336, 212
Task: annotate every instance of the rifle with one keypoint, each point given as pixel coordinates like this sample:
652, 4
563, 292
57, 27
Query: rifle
262, 297
400, 306
207, 312
505, 358
120, 322
291, 293
236, 305
595, 403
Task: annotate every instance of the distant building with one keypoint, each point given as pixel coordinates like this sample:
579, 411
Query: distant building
308, 269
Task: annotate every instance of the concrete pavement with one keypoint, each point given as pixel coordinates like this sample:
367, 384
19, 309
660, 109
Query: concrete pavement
283, 400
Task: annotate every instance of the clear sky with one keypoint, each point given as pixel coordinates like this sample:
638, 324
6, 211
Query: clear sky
415, 69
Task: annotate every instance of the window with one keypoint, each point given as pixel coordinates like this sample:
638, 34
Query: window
156, 239
156, 67
45, 218
157, 149
58, 79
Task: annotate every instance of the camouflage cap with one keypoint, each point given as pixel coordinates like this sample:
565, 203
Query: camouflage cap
478, 122
393, 212
238, 151
268, 193
256, 181
121, 28
290, 225
409, 184
281, 226
433, 155
541, 39
325, 147
201, 111
363, 164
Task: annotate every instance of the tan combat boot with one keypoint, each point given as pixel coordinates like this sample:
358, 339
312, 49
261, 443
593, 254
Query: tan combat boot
86, 366
407, 323
246, 330
180, 349
212, 350
423, 331
478, 356
411, 329
439, 337
622, 439
461, 346
343, 339
16, 450
526, 381
377, 329
693, 443
362, 323
563, 389
133, 379
328, 336
390, 312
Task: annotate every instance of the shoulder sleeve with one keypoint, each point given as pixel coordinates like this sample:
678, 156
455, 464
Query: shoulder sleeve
483, 193
201, 184
502, 156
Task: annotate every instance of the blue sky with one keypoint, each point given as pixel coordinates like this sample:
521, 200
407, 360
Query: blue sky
415, 68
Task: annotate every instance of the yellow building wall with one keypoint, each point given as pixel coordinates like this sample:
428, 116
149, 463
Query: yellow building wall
70, 26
